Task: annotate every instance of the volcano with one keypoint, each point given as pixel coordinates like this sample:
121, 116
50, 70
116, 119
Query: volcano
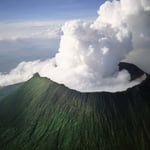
43, 115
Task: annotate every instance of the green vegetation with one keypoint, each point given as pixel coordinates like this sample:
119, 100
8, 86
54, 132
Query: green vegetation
42, 115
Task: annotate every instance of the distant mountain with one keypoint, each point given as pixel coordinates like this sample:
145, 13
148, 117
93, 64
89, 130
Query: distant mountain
4, 91
44, 115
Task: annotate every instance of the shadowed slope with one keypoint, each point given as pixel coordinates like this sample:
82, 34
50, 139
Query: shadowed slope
43, 115
4, 91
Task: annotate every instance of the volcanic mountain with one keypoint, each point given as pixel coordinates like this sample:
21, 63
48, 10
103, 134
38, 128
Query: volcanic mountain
43, 115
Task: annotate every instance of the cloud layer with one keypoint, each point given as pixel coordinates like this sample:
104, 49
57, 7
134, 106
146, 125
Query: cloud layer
28, 41
90, 52
34, 29
12, 52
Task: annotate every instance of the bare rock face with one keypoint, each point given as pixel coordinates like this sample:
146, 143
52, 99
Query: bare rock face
134, 71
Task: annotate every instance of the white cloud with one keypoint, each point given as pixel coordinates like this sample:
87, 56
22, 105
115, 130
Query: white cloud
90, 52
27, 41
34, 29
25, 71
12, 52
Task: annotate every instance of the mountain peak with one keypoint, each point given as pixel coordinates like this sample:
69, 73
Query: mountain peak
44, 115
36, 75
134, 71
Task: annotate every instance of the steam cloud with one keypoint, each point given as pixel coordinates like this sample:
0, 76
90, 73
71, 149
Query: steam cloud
90, 52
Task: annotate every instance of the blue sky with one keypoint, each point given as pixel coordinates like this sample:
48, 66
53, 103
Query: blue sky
48, 9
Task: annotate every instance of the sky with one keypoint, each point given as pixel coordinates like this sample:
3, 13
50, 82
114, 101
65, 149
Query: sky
12, 10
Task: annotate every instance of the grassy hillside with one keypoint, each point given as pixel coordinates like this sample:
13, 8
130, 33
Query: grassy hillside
42, 115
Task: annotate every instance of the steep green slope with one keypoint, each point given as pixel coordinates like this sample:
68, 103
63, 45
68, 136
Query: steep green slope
42, 115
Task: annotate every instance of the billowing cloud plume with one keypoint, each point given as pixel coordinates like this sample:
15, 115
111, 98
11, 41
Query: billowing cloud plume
90, 52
